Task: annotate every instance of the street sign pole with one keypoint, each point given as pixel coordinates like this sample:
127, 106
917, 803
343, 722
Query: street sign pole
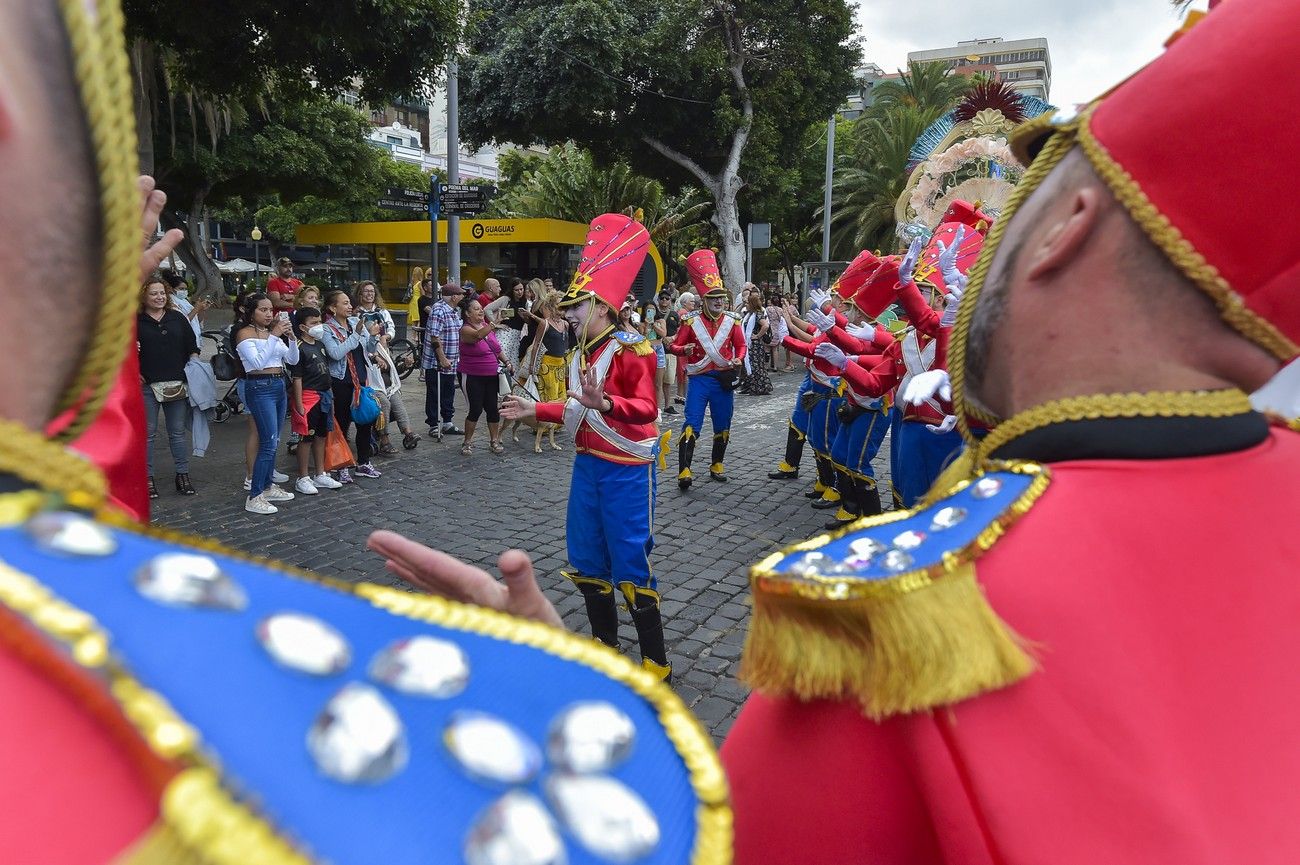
453, 169
433, 231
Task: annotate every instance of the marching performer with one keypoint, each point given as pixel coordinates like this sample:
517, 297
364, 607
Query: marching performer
610, 414
712, 345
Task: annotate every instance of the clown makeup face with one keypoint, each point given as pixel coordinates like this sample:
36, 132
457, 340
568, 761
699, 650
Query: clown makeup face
589, 319
714, 306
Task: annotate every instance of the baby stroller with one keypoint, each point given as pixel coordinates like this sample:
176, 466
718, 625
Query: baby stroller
226, 367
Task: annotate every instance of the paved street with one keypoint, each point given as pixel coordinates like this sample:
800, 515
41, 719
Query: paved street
474, 507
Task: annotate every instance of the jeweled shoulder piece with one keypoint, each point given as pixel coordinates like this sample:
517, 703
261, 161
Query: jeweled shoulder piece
888, 611
328, 721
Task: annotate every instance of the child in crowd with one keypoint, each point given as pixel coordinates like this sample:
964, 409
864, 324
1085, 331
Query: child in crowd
312, 401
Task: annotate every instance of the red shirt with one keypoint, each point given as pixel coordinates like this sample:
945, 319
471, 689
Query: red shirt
282, 290
1160, 597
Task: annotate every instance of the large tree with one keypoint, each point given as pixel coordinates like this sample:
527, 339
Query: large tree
703, 92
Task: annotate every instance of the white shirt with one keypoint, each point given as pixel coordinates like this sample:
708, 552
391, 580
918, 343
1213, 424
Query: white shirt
260, 354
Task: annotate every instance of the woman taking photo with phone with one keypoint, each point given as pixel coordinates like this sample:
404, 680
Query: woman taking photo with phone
166, 343
347, 342
266, 343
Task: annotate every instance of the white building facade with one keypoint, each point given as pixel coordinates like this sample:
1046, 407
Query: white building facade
1024, 64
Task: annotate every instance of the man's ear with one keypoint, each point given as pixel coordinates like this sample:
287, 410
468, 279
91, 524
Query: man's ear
1065, 239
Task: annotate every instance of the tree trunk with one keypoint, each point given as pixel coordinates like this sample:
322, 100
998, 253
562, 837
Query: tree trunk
192, 250
143, 95
726, 218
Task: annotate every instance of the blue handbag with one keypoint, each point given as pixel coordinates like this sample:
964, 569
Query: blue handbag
365, 405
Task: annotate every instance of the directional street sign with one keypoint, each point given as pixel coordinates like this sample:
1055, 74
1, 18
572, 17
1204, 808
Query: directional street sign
464, 199
396, 198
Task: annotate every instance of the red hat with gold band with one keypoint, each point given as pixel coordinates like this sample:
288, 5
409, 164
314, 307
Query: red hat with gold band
1188, 154
856, 274
702, 268
972, 241
881, 288
611, 259
967, 214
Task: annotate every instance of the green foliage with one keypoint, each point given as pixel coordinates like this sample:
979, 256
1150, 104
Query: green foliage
610, 76
872, 151
232, 49
355, 204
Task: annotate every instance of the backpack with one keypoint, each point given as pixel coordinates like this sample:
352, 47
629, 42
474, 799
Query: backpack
226, 364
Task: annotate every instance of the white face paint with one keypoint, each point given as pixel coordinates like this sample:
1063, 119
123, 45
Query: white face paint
715, 305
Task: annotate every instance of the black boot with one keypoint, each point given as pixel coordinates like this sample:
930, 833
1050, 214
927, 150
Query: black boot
789, 467
644, 606
183, 485
833, 497
717, 470
848, 512
685, 453
602, 611
825, 477
868, 498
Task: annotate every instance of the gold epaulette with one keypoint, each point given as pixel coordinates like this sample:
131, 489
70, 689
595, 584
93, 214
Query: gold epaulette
635, 341
888, 612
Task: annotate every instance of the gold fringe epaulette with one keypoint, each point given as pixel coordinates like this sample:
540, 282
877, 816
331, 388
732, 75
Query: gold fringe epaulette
888, 612
634, 341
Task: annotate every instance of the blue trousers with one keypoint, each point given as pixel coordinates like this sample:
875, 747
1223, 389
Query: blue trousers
823, 421
856, 444
895, 461
922, 456
267, 402
799, 417
610, 520
706, 391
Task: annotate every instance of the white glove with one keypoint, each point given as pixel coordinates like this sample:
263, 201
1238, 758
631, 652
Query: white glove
864, 332
949, 421
908, 265
955, 292
952, 277
818, 298
832, 355
926, 385
820, 320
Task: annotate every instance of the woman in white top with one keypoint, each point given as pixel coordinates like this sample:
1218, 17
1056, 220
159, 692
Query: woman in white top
370, 309
265, 343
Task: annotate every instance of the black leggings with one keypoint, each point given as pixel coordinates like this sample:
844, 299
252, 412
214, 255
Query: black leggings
481, 391
343, 414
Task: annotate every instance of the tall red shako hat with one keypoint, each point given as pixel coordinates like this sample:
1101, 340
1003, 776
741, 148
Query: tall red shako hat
856, 274
880, 290
702, 268
612, 257
972, 223
1198, 149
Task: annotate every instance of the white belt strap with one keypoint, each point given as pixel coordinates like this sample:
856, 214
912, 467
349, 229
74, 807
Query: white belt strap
711, 343
575, 413
918, 360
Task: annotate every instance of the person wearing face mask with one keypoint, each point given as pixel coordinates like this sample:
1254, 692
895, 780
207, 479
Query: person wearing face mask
610, 414
712, 345
347, 341
312, 402
179, 292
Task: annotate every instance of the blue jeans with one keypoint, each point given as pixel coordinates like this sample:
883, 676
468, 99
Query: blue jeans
267, 403
177, 415
610, 520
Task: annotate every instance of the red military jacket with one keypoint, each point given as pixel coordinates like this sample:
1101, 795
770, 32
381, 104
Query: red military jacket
630, 387
879, 375
1156, 582
822, 371
687, 344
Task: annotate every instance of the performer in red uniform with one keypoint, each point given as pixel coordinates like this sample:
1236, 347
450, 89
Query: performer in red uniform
610, 413
712, 345
1081, 651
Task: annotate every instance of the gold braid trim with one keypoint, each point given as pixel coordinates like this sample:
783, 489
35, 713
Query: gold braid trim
908, 643
1184, 256
103, 76
1215, 403
1054, 150
31, 457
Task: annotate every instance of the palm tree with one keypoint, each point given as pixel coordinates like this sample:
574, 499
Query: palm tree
926, 87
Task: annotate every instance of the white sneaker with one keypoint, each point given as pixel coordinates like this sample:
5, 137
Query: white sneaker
260, 505
325, 482
279, 477
306, 487
275, 494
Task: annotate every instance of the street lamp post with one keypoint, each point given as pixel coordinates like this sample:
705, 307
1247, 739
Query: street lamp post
256, 234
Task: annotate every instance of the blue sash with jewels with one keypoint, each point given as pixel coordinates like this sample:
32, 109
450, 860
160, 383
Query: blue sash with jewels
362, 723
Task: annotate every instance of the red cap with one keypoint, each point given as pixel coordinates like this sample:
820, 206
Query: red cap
1202, 161
857, 273
702, 268
972, 242
615, 250
880, 289
967, 214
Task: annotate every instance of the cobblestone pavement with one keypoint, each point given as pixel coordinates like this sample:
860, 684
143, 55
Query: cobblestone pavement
474, 507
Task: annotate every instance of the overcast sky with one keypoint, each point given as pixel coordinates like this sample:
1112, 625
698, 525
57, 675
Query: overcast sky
1093, 43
